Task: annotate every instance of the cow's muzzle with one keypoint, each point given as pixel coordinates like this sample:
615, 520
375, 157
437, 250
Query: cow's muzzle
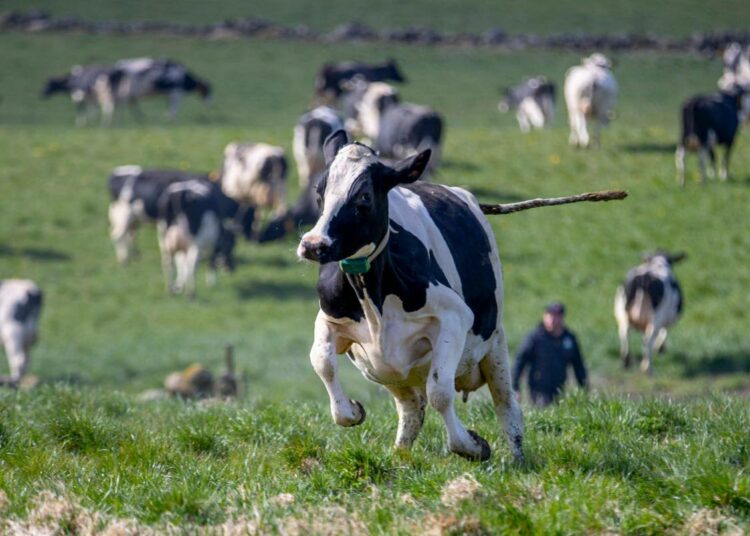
314, 248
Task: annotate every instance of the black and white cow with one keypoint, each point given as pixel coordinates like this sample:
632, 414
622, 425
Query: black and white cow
197, 220
708, 121
736, 67
134, 200
311, 131
20, 306
411, 290
399, 129
305, 211
254, 174
332, 78
534, 102
650, 301
80, 84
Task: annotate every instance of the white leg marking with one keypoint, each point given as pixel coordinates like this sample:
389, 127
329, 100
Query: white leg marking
410, 404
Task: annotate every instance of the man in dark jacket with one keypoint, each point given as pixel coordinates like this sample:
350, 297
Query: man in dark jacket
547, 352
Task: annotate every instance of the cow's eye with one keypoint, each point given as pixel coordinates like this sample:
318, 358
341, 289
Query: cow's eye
365, 198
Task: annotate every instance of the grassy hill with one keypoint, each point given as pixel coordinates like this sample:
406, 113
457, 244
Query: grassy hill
110, 332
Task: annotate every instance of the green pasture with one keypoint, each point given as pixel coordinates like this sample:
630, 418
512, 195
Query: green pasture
108, 333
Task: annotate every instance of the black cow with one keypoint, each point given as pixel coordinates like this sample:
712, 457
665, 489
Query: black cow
197, 220
332, 78
411, 289
534, 102
650, 301
708, 121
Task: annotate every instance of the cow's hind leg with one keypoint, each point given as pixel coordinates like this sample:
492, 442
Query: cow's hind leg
495, 368
679, 162
410, 404
649, 340
15, 349
441, 391
661, 340
724, 169
345, 412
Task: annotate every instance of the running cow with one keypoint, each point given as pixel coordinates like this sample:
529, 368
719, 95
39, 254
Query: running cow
20, 306
411, 289
650, 301
534, 102
590, 94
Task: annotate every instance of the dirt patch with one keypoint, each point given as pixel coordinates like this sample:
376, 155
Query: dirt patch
460, 489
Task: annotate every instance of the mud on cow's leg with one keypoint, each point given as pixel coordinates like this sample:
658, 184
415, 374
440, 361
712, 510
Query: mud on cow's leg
495, 368
410, 404
323, 357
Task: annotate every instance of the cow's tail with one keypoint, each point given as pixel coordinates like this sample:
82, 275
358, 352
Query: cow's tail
509, 208
689, 137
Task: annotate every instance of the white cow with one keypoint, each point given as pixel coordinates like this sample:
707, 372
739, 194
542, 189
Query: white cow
736, 68
590, 93
20, 306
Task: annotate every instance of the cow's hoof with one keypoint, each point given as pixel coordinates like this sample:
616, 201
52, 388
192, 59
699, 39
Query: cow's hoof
663, 349
484, 449
356, 421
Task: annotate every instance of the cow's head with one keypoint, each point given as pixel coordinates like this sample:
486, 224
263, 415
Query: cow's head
353, 198
597, 59
55, 85
376, 100
394, 73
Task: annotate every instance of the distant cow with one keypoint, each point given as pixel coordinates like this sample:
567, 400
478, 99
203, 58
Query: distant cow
134, 200
399, 129
311, 131
80, 84
305, 211
411, 290
197, 220
534, 102
736, 67
590, 94
331, 80
132, 79
708, 121
254, 174
650, 301
20, 306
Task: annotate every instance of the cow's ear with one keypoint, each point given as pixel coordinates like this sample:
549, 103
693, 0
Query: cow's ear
676, 257
333, 144
411, 168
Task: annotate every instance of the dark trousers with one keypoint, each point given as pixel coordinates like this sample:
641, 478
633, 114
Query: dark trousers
543, 398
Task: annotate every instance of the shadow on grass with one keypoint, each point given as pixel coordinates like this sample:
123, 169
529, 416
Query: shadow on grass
459, 165
711, 365
35, 254
276, 261
634, 148
272, 289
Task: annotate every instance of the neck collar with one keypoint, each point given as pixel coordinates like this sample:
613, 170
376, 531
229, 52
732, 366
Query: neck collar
361, 265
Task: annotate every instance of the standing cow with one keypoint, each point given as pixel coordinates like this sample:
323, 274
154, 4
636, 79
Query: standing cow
399, 129
197, 220
331, 81
736, 67
311, 131
590, 94
20, 306
134, 200
534, 102
80, 84
411, 290
708, 121
650, 301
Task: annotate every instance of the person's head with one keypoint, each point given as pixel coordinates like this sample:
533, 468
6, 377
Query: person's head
554, 318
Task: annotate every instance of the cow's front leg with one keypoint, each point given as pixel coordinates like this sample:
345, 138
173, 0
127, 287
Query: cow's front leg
441, 391
323, 357
15, 348
410, 404
649, 338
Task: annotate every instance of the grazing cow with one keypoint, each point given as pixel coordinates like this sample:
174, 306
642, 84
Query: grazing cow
534, 102
590, 93
332, 78
399, 129
134, 200
411, 289
197, 220
708, 121
20, 306
254, 174
311, 131
736, 67
650, 301
79, 84
132, 79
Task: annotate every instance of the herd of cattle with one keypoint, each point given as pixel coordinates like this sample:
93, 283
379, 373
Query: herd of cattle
410, 282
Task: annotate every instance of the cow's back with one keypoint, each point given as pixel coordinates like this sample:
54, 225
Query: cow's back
451, 225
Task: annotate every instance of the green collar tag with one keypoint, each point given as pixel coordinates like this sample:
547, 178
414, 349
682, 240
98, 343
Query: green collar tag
355, 266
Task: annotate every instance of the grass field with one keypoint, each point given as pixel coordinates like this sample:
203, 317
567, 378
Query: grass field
107, 333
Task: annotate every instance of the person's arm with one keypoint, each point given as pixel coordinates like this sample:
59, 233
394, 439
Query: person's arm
578, 367
523, 358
